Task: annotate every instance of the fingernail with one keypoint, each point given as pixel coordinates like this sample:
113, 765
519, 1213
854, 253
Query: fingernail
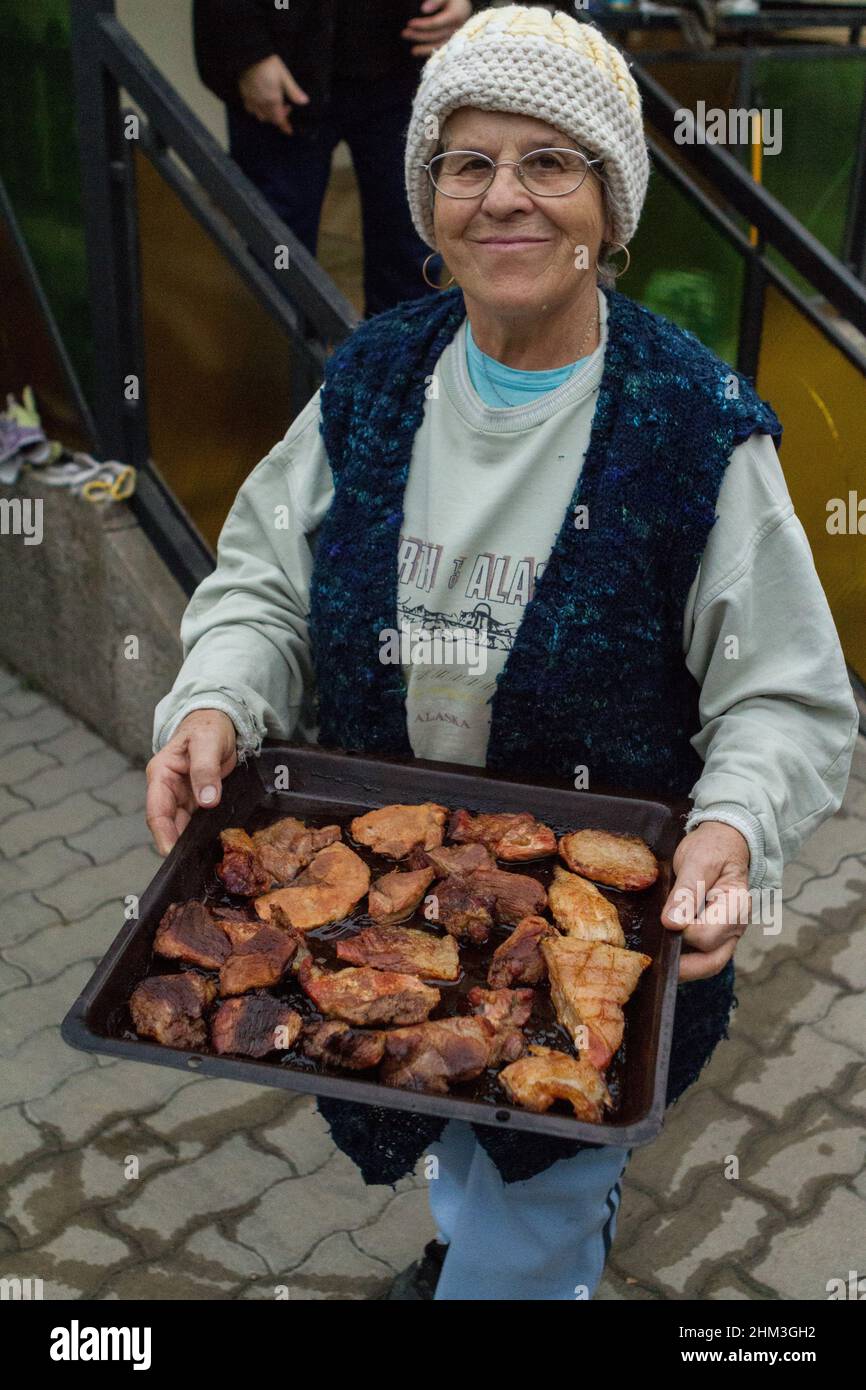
207, 795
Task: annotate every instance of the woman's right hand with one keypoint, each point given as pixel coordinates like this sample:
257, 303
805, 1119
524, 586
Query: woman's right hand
187, 773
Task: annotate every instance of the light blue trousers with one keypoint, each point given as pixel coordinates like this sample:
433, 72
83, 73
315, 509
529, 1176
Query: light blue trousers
546, 1238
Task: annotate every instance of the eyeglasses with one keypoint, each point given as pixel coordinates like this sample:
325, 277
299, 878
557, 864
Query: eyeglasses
550, 173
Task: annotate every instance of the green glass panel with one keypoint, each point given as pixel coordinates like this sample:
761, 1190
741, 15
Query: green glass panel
820, 101
39, 162
684, 268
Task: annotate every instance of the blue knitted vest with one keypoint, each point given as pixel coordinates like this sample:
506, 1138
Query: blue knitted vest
596, 676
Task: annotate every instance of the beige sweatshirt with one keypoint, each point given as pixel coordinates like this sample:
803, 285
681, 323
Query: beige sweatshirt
485, 498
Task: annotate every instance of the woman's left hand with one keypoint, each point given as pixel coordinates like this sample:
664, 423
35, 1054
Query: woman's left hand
446, 17
709, 902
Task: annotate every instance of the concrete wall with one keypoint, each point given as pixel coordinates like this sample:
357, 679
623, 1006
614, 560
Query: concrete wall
73, 601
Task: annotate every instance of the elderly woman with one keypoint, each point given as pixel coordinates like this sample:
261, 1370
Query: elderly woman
531, 453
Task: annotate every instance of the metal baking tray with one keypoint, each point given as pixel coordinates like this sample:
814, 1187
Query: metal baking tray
327, 787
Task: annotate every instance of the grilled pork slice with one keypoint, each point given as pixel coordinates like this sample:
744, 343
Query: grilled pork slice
288, 845
237, 923
259, 961
465, 912
508, 835
579, 909
169, 1008
254, 1026
189, 932
619, 861
431, 1056
396, 830
508, 1010
395, 896
546, 1075
518, 961
402, 948
333, 883
516, 895
337, 1044
253, 863
454, 859
589, 983
367, 997
240, 868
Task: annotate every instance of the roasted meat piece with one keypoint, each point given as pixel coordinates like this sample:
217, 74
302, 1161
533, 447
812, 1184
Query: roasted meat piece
332, 884
367, 997
259, 961
288, 845
169, 1008
233, 914
253, 863
589, 983
579, 909
518, 961
503, 1007
254, 1026
546, 1075
240, 868
402, 948
619, 861
516, 895
508, 1010
396, 830
465, 912
395, 896
337, 1044
508, 835
455, 859
189, 932
237, 923
431, 1056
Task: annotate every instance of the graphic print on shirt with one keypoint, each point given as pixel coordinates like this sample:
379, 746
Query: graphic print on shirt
482, 596
493, 581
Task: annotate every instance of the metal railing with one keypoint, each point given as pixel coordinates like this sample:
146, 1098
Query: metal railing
833, 283
747, 60
298, 294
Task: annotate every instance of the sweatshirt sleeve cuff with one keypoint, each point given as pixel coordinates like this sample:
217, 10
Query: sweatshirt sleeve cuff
749, 827
249, 734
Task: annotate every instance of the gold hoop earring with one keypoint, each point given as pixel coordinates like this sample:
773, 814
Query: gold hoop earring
431, 283
617, 273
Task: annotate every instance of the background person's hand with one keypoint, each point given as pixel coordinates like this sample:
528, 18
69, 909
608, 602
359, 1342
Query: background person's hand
268, 91
445, 17
187, 773
709, 902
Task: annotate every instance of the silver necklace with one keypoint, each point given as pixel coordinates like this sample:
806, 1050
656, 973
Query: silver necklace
492, 384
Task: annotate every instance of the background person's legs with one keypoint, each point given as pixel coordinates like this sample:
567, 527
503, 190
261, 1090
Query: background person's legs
374, 117
291, 171
544, 1239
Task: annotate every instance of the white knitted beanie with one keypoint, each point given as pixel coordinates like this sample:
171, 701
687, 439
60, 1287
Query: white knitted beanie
524, 59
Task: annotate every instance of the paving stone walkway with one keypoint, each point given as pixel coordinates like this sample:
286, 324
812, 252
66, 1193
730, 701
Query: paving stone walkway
755, 1189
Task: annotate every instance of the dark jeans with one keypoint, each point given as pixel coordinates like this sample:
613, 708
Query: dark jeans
292, 172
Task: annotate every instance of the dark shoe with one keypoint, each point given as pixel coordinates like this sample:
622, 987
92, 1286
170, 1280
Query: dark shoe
419, 1281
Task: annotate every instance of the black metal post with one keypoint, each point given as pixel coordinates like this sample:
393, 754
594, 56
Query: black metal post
118, 405
854, 244
751, 317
